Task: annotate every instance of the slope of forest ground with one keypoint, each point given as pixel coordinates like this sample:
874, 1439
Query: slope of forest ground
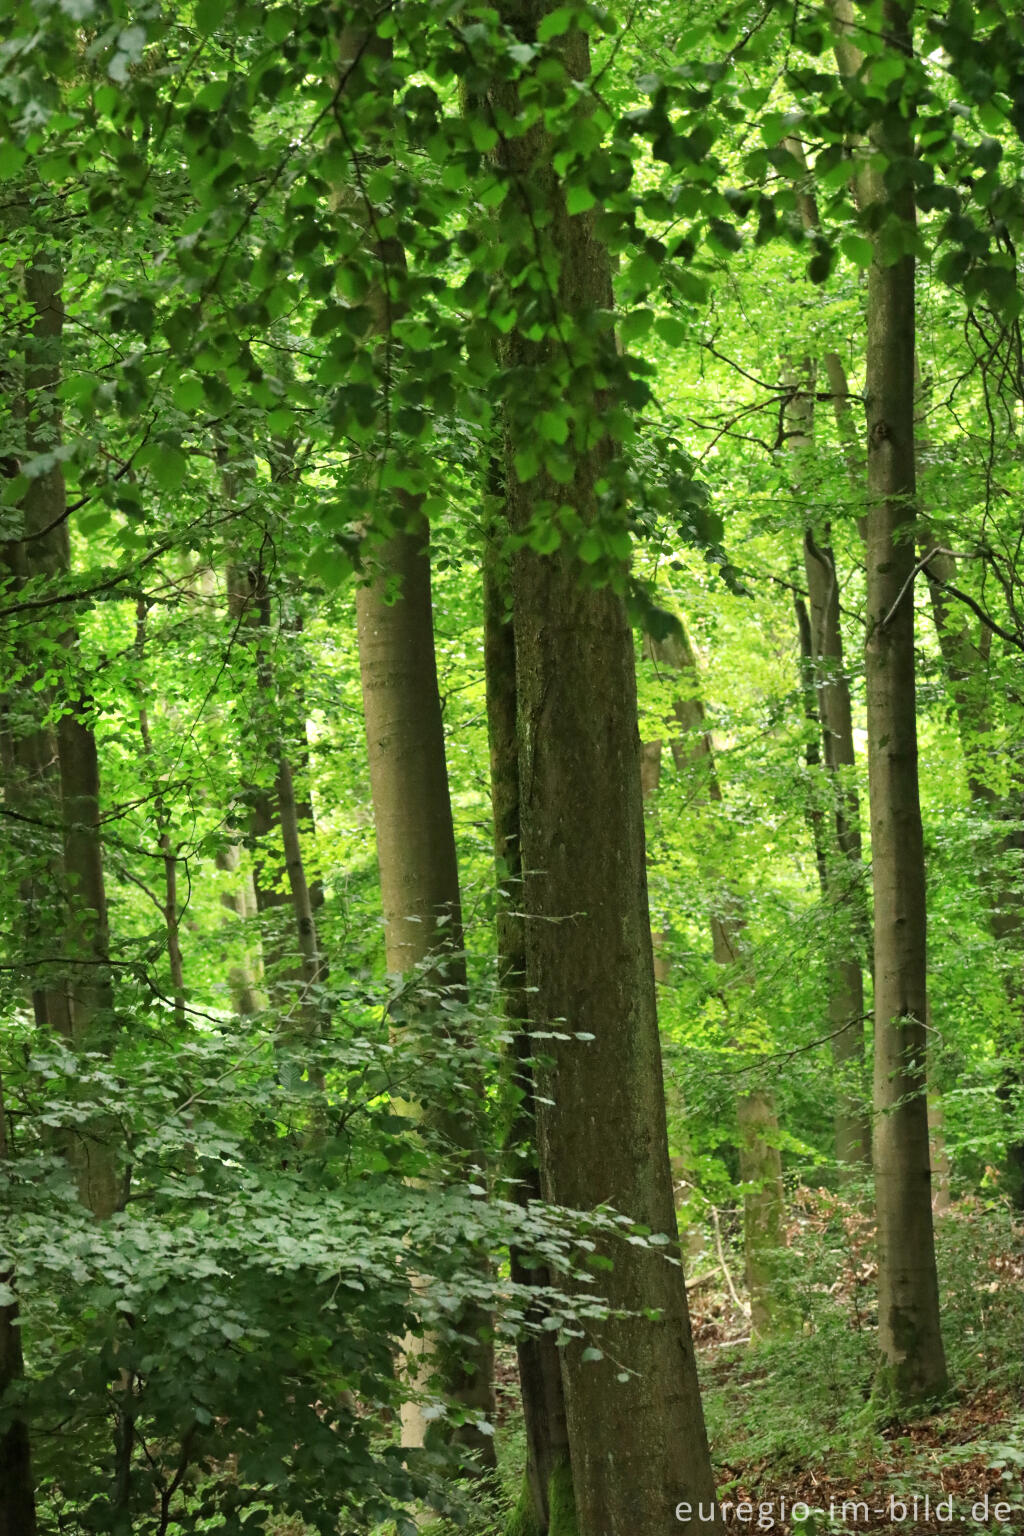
791, 1419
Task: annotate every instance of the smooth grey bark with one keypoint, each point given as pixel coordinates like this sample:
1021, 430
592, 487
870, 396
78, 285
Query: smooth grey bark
419, 877
638, 1447
913, 1361
416, 851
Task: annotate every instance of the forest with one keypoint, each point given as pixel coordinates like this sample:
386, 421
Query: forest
511, 768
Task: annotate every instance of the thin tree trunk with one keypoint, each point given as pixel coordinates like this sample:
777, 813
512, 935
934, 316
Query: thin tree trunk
909, 1333
756, 1116
638, 1445
17, 1489
966, 664
540, 1371
170, 901
839, 856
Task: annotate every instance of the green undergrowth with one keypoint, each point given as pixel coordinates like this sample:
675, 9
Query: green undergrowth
778, 1407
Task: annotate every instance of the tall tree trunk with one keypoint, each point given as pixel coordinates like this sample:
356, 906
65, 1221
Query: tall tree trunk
17, 1489
909, 1333
638, 1445
540, 1370
416, 852
419, 875
79, 997
840, 863
170, 895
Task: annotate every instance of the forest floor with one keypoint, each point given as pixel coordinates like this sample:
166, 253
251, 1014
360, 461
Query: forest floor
792, 1420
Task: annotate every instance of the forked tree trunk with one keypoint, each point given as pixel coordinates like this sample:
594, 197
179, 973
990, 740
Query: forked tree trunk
638, 1446
913, 1361
540, 1369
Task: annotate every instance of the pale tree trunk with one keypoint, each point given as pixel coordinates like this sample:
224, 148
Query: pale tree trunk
416, 853
965, 658
651, 757
839, 854
913, 1360
17, 1489
169, 904
638, 1446
295, 968
240, 899
757, 1120
548, 1479
294, 964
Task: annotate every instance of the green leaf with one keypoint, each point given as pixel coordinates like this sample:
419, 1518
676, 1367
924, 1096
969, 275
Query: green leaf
556, 23
210, 14
526, 463
858, 249
188, 394
579, 199
168, 467
553, 426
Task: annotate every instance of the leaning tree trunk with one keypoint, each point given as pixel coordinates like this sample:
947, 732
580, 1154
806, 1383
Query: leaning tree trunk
548, 1481
636, 1432
913, 1360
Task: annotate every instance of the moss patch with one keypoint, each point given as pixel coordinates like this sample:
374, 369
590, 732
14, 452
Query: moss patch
562, 1503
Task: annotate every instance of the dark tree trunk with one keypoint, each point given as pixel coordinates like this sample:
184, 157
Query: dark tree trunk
638, 1446
540, 1371
910, 1339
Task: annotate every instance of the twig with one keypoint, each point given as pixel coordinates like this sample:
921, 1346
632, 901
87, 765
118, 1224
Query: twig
740, 1306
